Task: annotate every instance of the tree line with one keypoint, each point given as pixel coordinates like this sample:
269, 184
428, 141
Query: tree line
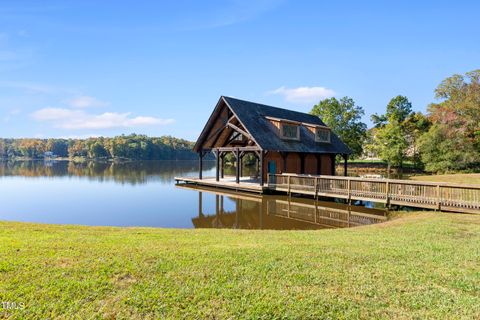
446, 138
132, 147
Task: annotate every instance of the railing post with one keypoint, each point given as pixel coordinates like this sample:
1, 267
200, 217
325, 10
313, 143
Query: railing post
387, 194
288, 179
349, 183
316, 187
439, 195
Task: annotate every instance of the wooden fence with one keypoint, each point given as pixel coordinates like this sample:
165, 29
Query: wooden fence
431, 195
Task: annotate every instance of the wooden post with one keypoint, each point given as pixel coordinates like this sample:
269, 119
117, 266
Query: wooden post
217, 166
387, 197
439, 197
345, 159
237, 173
240, 163
222, 167
349, 182
288, 179
262, 160
200, 164
316, 187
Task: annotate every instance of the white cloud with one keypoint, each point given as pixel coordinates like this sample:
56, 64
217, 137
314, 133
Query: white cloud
86, 102
304, 94
12, 113
79, 119
37, 88
52, 114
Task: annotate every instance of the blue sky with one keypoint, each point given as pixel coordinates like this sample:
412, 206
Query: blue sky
90, 68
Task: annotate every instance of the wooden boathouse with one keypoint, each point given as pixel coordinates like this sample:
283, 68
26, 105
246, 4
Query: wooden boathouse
282, 141
295, 154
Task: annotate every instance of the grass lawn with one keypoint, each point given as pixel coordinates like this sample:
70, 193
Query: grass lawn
420, 265
468, 178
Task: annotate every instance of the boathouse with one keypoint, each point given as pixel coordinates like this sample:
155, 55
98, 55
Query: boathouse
282, 141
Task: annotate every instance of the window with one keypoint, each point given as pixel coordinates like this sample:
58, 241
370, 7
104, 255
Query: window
290, 131
322, 135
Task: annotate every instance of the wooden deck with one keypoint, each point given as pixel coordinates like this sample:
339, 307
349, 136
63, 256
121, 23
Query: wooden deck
429, 195
246, 184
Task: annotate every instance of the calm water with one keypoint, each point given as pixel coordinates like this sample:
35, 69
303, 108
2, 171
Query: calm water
144, 194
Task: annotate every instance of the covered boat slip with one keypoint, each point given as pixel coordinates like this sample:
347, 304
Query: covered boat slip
280, 140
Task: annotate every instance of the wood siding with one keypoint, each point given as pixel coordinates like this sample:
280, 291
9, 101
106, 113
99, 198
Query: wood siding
294, 164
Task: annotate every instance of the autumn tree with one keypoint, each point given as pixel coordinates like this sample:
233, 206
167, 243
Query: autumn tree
453, 141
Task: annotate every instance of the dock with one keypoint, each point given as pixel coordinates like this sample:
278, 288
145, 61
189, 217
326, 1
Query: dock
429, 195
246, 184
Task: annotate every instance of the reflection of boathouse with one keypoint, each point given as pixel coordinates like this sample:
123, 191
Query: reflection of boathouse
273, 212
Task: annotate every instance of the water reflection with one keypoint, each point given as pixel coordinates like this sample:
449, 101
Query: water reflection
142, 193
249, 211
135, 172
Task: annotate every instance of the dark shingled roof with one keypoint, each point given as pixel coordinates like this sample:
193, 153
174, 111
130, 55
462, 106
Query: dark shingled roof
252, 116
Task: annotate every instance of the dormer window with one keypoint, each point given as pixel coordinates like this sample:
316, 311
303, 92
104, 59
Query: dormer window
290, 131
322, 134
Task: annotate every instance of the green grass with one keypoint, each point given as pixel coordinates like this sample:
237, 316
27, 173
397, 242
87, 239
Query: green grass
421, 265
467, 178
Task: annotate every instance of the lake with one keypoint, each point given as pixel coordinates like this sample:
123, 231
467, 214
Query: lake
143, 193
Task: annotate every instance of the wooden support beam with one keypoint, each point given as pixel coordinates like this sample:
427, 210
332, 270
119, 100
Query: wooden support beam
243, 132
262, 160
200, 164
237, 171
345, 160
240, 164
222, 164
232, 149
235, 136
217, 165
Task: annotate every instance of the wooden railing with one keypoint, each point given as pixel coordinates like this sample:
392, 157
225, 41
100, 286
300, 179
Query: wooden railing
440, 196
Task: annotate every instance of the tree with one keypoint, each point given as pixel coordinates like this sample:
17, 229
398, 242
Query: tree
453, 141
59, 147
391, 137
344, 118
392, 144
96, 151
398, 109
416, 125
